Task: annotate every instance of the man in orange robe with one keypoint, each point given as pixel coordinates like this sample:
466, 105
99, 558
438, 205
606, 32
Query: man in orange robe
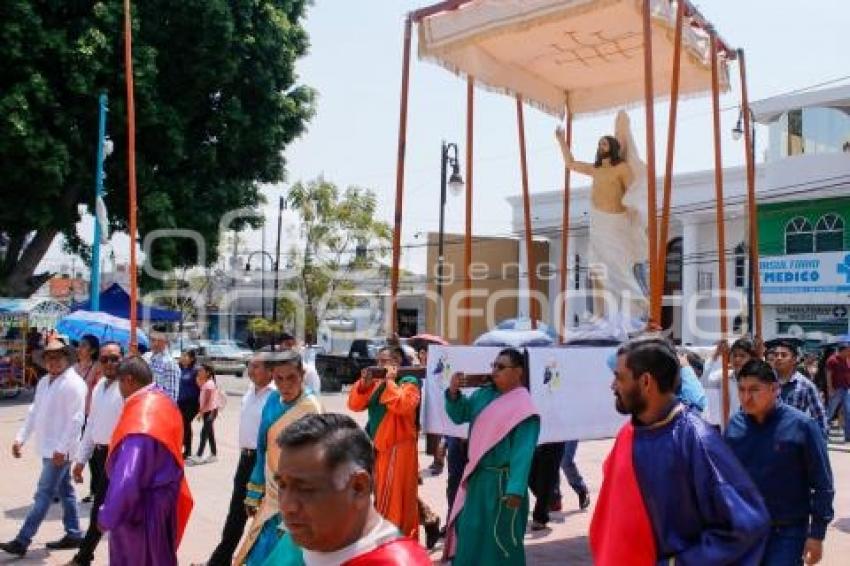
393, 404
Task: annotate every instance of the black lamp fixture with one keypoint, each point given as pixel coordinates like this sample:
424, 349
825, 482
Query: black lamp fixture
738, 130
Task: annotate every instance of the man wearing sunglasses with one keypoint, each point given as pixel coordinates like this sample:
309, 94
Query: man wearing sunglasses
106, 405
490, 510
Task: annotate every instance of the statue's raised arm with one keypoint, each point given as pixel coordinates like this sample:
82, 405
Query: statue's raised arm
635, 194
623, 133
569, 162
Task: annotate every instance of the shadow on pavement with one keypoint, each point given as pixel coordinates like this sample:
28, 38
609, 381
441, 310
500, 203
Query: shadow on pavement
574, 551
23, 398
54, 514
561, 517
36, 554
842, 525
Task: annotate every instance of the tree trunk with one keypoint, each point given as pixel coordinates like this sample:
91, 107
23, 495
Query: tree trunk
21, 280
16, 242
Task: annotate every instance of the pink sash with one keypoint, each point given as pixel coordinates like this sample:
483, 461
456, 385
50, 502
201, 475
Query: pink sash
492, 425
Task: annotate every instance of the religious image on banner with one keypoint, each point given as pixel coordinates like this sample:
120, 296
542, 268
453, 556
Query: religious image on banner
443, 369
552, 375
571, 388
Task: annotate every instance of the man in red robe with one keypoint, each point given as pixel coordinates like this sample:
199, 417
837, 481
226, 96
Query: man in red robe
325, 476
147, 504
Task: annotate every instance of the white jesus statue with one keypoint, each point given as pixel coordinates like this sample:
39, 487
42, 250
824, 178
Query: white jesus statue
618, 246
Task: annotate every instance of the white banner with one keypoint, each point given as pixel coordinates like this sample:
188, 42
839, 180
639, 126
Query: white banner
569, 386
443, 361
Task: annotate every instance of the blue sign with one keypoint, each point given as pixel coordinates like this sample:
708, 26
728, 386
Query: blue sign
825, 273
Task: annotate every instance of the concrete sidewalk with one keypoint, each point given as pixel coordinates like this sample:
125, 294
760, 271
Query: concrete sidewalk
211, 484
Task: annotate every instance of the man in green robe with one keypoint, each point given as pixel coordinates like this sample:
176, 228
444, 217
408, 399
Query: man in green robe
490, 510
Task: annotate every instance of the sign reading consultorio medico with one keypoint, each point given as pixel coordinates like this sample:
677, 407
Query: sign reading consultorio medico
806, 278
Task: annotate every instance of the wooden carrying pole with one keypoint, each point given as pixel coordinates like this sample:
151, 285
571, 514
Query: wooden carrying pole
526, 204
649, 95
658, 290
446, 6
751, 199
467, 237
131, 171
399, 179
565, 233
719, 221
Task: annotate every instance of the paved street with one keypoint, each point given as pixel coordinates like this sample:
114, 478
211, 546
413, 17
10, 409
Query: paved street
565, 543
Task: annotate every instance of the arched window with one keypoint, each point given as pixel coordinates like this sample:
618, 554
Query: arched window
673, 271
740, 265
799, 236
829, 233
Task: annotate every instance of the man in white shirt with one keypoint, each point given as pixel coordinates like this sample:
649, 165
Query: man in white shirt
741, 351
311, 378
249, 426
56, 416
106, 405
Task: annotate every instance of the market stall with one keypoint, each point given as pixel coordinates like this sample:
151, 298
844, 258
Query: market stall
20, 321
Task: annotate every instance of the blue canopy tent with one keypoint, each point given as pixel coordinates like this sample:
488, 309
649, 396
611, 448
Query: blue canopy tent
115, 301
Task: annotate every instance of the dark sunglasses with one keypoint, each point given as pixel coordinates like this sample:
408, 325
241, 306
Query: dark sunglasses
110, 359
500, 367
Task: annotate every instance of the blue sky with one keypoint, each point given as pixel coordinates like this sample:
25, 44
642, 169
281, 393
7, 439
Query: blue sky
355, 65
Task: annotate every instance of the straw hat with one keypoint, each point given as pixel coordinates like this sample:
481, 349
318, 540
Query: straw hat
54, 345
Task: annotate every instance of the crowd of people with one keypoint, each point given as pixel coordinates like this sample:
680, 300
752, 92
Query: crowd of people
311, 487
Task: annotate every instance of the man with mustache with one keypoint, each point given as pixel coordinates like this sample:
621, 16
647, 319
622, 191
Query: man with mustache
673, 490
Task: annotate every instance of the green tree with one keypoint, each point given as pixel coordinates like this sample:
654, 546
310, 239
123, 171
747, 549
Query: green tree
340, 242
217, 101
264, 331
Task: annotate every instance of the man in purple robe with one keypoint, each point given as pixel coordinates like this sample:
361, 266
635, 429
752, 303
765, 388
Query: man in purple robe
148, 502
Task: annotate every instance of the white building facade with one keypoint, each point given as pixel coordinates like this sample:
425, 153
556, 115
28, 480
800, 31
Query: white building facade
803, 216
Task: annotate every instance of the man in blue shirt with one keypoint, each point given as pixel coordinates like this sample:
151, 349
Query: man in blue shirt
785, 454
688, 389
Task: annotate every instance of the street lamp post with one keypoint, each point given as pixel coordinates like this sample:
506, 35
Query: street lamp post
276, 262
737, 133
455, 183
265, 255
